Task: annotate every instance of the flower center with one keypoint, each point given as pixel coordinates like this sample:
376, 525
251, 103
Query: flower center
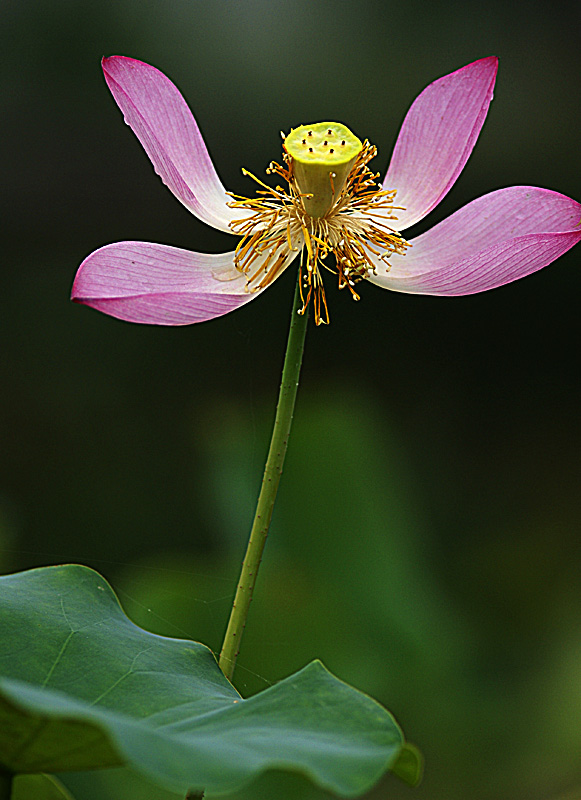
333, 205
322, 157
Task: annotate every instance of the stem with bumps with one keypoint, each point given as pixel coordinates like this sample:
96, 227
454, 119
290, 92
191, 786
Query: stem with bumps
272, 474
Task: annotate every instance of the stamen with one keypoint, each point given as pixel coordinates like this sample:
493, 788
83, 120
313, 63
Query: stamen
331, 176
273, 272
308, 246
355, 227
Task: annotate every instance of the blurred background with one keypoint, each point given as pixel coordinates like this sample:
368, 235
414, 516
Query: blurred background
426, 541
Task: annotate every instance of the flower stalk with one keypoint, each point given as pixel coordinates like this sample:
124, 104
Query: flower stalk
272, 474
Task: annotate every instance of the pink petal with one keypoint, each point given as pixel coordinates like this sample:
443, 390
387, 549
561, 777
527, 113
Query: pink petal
161, 285
437, 137
493, 240
160, 118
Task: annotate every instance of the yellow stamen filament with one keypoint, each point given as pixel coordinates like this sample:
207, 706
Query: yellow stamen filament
356, 230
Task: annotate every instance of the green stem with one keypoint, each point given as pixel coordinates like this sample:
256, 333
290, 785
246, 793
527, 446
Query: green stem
5, 785
272, 474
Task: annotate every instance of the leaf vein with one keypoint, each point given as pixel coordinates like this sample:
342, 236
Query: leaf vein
121, 678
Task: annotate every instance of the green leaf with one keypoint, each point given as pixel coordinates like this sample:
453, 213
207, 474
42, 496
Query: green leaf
82, 687
39, 787
409, 765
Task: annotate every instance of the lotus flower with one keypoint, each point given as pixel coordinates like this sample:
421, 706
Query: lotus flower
333, 206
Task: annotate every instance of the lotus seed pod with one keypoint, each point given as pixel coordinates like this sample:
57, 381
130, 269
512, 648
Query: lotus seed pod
323, 154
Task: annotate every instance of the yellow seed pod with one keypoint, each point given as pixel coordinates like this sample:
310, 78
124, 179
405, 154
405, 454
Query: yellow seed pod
323, 154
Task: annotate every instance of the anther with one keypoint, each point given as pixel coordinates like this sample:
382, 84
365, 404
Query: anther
310, 149
304, 141
310, 133
331, 150
325, 143
329, 132
343, 141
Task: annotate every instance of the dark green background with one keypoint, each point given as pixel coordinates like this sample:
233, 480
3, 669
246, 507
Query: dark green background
426, 540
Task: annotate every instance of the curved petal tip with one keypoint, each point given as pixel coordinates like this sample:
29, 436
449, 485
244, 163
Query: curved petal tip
162, 121
437, 136
494, 240
158, 285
